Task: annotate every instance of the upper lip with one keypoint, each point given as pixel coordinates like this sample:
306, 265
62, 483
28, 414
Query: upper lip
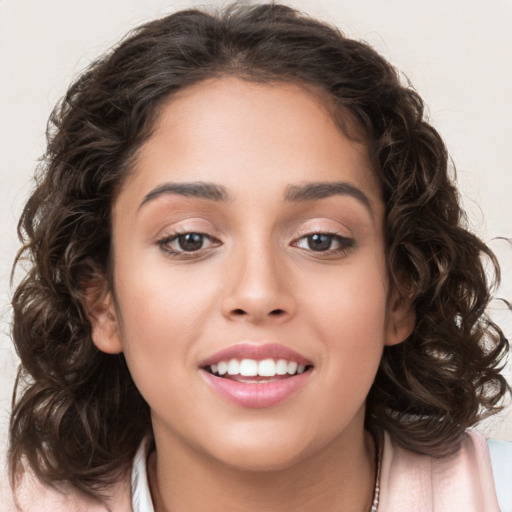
257, 352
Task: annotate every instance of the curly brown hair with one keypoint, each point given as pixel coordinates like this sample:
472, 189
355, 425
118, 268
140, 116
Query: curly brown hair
77, 415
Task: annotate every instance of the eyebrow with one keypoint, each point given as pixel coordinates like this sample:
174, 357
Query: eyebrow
294, 193
325, 189
197, 189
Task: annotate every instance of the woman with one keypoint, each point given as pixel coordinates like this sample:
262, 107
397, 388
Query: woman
251, 277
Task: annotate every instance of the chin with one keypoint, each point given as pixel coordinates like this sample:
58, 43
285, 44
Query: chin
261, 455
260, 461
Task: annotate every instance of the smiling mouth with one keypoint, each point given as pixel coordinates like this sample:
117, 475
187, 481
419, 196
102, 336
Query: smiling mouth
257, 376
257, 371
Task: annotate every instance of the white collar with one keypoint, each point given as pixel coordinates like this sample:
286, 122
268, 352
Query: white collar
141, 497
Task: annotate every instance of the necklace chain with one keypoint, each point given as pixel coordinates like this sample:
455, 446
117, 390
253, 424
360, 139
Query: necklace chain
376, 491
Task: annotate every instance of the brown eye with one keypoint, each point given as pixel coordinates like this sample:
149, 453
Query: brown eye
330, 244
190, 242
319, 242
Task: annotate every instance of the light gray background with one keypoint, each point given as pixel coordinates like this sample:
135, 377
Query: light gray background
458, 54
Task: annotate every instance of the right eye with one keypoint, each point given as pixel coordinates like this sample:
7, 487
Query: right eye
190, 242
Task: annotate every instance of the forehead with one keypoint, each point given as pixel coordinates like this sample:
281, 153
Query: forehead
238, 133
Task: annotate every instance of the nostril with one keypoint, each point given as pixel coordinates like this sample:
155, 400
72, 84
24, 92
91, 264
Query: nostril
239, 312
277, 312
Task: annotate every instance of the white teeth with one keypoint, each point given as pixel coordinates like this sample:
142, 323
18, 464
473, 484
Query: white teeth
248, 368
282, 367
267, 368
251, 367
222, 367
292, 367
233, 367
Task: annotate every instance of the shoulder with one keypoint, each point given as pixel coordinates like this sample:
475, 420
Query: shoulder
462, 481
33, 496
501, 460
6, 497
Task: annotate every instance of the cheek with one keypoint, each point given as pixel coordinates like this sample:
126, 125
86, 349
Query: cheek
348, 314
161, 313
351, 304
161, 297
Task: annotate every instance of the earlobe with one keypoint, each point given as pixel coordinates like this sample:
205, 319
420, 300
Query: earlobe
101, 312
401, 320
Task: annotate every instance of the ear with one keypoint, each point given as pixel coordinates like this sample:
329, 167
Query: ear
101, 312
401, 319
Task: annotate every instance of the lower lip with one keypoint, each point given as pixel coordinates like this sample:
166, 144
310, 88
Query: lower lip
256, 394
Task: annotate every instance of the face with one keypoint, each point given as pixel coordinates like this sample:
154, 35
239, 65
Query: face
251, 299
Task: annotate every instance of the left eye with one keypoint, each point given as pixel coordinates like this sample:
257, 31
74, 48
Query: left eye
324, 242
187, 242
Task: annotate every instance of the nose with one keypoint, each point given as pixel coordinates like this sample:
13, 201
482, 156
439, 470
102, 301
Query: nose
257, 290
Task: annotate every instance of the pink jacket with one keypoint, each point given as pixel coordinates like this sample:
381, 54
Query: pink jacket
409, 482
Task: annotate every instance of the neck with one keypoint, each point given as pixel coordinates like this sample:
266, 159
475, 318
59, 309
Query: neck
339, 477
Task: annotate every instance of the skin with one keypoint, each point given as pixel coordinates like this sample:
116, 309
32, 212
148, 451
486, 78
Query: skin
255, 278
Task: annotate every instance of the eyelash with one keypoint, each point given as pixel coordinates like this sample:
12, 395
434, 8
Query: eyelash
165, 243
345, 243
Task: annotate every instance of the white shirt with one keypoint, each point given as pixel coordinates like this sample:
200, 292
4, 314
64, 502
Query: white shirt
141, 497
